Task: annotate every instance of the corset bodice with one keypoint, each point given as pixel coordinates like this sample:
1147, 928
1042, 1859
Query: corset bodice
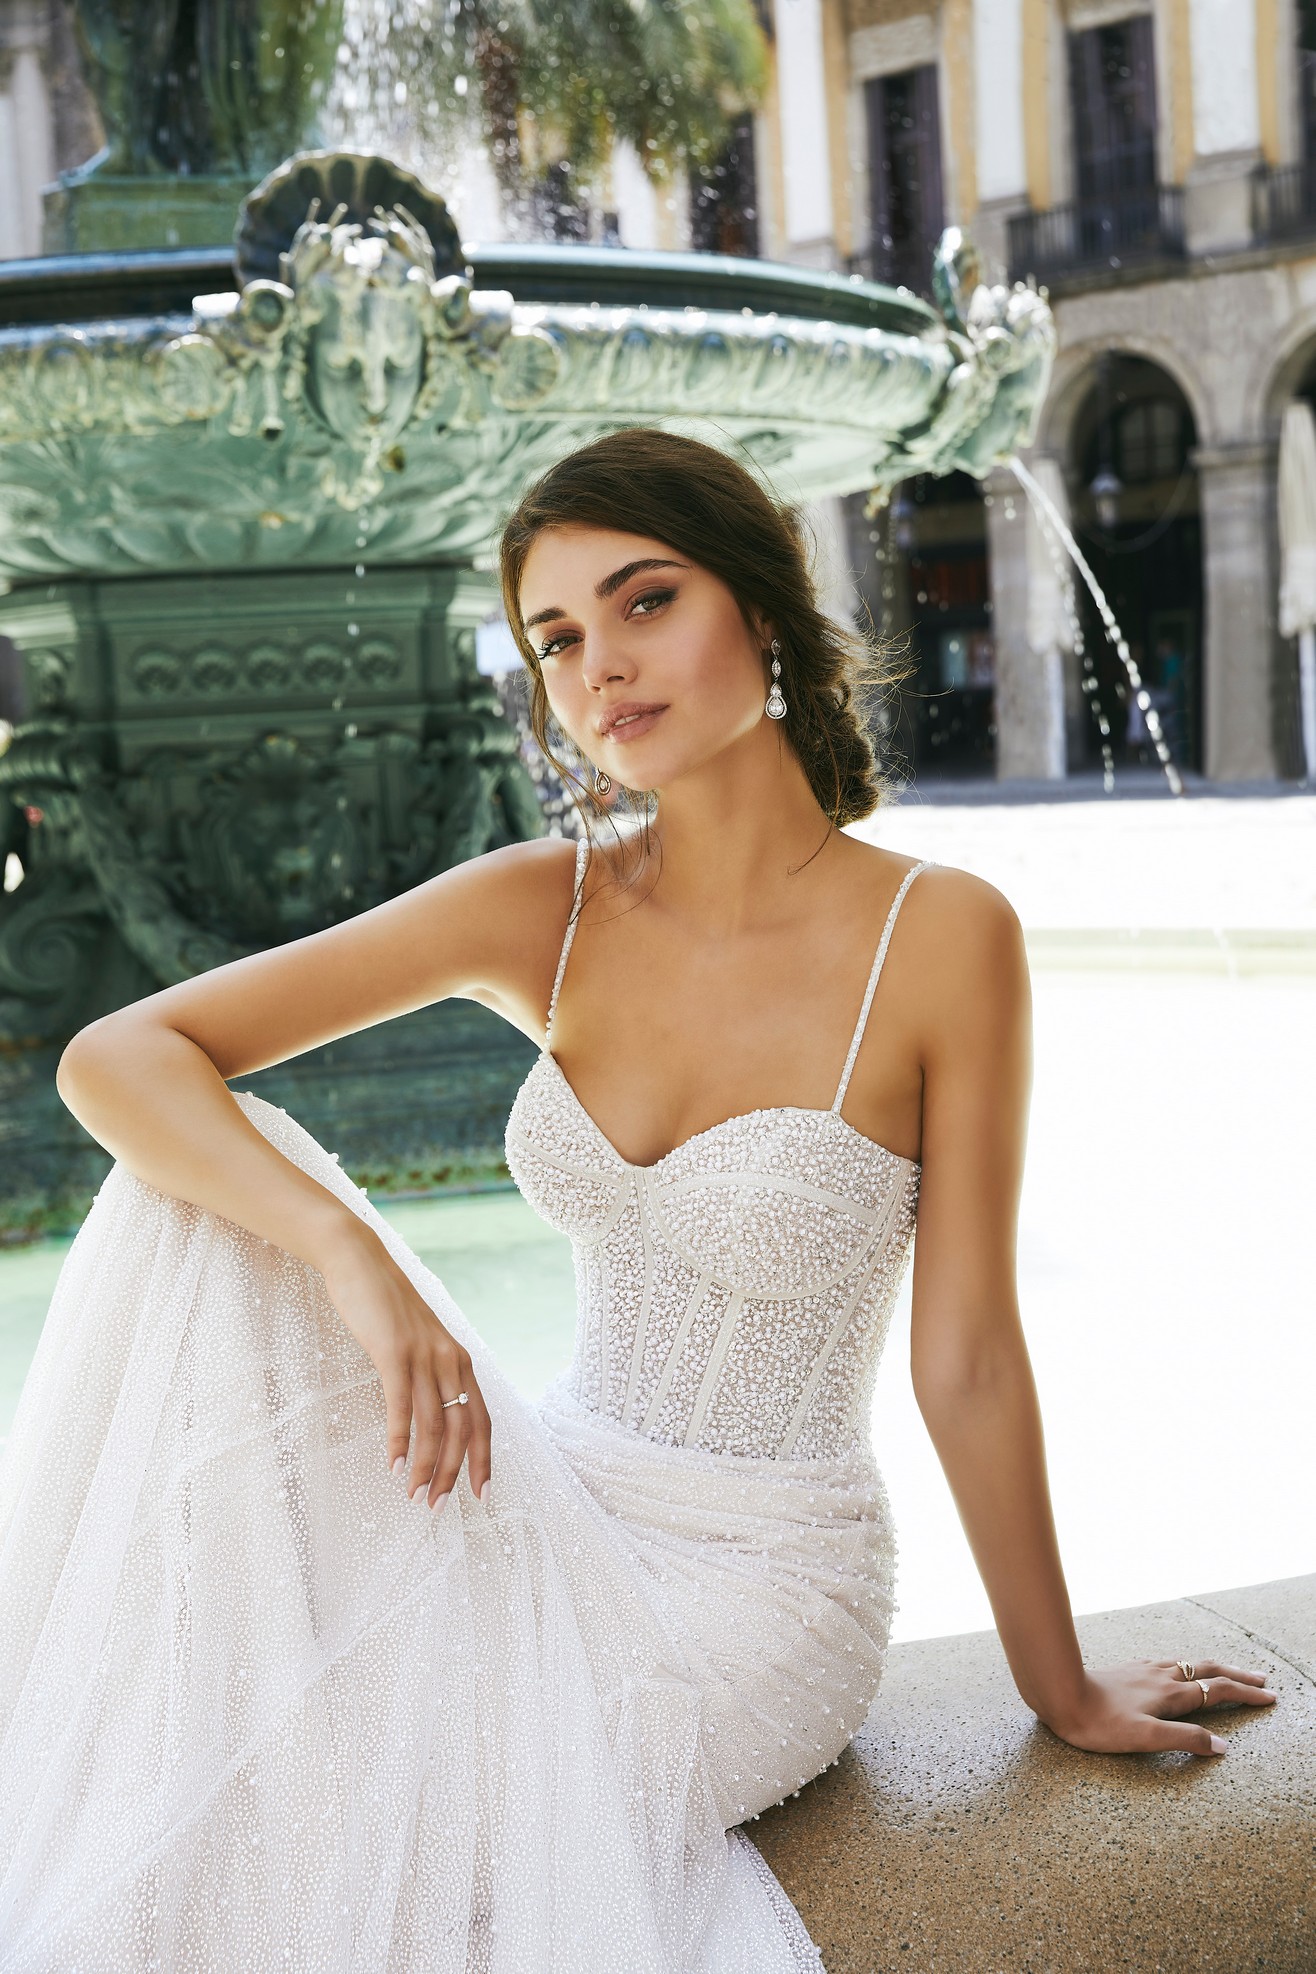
736, 1294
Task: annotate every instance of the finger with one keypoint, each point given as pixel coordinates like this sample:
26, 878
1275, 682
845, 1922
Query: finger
1213, 1670
453, 1450
1230, 1693
429, 1435
1183, 1735
397, 1407
479, 1456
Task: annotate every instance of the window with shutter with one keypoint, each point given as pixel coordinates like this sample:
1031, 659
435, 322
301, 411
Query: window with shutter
904, 174
1112, 81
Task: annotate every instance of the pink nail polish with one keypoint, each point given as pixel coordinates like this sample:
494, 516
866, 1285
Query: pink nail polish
399, 1465
439, 1503
1219, 1747
484, 1492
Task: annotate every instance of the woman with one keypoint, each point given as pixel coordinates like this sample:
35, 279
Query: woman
321, 1648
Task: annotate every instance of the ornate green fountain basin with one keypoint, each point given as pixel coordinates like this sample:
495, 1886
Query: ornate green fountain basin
247, 506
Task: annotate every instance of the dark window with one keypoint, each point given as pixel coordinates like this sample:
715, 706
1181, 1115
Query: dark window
904, 174
1307, 77
723, 198
1112, 81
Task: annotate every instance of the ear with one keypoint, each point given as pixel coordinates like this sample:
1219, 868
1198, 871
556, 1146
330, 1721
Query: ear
764, 630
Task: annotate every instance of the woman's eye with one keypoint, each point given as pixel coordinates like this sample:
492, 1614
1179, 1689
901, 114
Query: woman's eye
654, 596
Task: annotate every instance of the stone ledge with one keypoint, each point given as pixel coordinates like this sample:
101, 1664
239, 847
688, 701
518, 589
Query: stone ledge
957, 1835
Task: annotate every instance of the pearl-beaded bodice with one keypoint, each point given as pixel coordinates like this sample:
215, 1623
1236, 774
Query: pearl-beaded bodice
735, 1295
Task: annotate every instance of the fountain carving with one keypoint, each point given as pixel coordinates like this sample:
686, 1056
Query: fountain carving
242, 541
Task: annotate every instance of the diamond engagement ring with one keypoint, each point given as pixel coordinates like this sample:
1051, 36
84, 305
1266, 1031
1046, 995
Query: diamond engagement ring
462, 1398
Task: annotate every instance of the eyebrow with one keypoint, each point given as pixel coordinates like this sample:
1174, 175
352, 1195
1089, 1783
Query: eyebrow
607, 586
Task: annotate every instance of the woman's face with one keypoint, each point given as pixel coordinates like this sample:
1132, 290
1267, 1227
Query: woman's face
647, 662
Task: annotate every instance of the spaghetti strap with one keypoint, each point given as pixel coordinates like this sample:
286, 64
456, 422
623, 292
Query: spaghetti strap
883, 943
578, 899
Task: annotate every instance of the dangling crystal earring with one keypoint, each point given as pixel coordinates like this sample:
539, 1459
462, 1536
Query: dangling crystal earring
602, 782
776, 706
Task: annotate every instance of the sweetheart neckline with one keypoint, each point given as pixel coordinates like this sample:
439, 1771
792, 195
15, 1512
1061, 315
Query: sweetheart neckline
740, 1117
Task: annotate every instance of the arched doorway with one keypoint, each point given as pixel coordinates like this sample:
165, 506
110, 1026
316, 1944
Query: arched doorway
1136, 516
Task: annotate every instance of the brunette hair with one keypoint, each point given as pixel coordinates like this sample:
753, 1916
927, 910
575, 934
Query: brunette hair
701, 502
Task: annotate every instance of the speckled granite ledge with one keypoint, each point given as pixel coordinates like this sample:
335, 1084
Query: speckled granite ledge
959, 1836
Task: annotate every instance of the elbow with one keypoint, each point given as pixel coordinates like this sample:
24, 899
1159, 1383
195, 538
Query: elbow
964, 1382
83, 1061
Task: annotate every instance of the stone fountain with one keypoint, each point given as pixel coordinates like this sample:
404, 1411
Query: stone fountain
247, 502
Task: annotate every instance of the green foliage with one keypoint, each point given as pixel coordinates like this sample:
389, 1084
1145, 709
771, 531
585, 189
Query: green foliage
670, 76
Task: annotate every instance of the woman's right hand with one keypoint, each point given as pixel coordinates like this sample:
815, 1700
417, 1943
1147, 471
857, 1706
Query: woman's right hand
420, 1364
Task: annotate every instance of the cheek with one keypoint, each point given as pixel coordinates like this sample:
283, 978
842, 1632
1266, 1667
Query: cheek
567, 704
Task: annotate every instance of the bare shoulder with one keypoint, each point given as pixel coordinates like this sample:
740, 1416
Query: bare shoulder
530, 878
962, 957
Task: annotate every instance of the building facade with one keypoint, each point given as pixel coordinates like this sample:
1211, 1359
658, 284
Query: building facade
1152, 163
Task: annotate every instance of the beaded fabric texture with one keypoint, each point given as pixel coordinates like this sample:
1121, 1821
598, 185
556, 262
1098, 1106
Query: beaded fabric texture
260, 1711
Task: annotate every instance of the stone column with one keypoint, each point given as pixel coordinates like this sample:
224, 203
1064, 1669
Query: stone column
808, 223
1236, 487
27, 158
1030, 701
1002, 171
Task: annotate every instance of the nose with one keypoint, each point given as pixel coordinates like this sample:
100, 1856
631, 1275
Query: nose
604, 665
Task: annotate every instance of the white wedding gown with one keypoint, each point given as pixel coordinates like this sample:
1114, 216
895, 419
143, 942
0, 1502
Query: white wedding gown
260, 1714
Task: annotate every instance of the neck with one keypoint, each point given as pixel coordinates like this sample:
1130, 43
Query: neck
741, 835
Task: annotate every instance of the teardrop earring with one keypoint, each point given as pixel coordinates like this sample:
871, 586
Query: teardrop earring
776, 706
602, 782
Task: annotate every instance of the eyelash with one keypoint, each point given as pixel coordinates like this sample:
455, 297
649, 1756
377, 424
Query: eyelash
658, 596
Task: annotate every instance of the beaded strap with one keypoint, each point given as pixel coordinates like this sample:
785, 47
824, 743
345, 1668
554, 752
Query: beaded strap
582, 852
871, 989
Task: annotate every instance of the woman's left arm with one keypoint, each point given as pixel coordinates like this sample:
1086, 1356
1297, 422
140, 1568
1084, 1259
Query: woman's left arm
968, 1358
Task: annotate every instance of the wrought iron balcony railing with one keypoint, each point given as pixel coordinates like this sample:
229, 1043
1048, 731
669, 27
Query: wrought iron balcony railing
1284, 201
1091, 235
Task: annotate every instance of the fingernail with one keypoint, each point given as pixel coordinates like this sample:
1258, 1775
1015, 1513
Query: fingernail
399, 1465
439, 1503
484, 1492
421, 1493
1219, 1747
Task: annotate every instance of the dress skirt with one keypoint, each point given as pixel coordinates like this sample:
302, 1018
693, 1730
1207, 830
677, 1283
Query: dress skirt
258, 1711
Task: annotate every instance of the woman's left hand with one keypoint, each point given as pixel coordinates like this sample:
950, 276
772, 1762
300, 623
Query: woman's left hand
1137, 1709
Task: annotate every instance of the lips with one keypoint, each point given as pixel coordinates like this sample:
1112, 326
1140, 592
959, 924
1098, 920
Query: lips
629, 720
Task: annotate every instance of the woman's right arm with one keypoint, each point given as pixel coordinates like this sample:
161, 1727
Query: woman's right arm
148, 1082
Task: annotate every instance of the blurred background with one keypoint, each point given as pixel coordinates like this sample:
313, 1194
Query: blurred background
1144, 796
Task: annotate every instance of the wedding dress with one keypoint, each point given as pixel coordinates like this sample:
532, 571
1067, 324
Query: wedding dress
260, 1714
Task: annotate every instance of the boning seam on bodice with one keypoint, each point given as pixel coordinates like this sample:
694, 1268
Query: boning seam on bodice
717, 1357
694, 1304
777, 1182
521, 1142
646, 1301
861, 1261
838, 1330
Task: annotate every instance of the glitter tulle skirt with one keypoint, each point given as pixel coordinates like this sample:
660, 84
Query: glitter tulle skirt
258, 1711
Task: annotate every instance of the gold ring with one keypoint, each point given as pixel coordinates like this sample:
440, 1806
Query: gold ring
1186, 1668
462, 1398
1206, 1692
